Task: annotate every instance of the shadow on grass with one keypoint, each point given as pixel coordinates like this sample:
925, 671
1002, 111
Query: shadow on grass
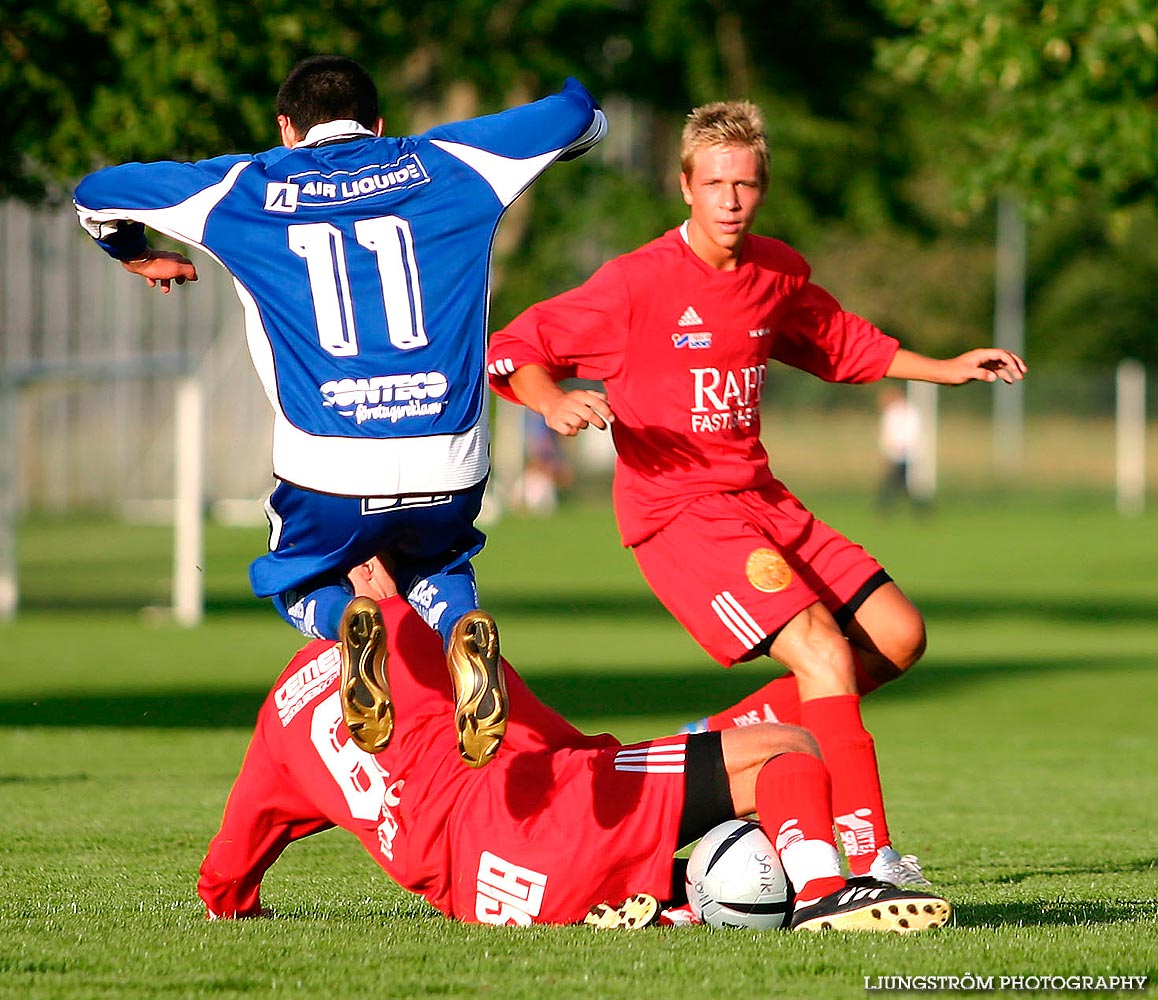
178, 710
643, 606
1079, 608
630, 693
97, 602
624, 693
1052, 913
1115, 867
51, 779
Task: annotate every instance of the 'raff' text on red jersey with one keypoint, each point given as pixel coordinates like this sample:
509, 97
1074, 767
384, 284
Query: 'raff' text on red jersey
682, 350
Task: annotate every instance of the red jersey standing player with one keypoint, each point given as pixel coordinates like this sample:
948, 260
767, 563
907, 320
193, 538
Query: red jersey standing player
680, 331
557, 825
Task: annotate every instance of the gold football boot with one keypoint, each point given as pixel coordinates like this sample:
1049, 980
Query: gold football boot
640, 910
480, 688
365, 690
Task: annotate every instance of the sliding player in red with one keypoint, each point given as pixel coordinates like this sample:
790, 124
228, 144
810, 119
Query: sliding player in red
680, 332
557, 825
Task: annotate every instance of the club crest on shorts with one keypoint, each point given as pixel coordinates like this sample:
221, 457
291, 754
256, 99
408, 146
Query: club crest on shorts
767, 571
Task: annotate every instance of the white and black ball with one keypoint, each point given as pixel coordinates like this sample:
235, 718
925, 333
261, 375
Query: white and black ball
734, 879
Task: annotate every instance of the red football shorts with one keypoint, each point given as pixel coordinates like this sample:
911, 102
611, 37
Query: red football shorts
734, 568
546, 836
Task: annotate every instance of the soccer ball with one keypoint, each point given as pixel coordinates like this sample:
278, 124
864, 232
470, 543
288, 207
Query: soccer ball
734, 879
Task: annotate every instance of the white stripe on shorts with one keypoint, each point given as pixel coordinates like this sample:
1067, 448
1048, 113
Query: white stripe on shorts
656, 759
741, 624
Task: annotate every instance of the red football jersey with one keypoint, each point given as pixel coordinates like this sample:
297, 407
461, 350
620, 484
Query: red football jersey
682, 350
557, 822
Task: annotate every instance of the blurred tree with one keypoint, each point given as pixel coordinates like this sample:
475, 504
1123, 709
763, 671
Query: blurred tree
1093, 295
1054, 102
839, 128
1057, 100
85, 82
1060, 100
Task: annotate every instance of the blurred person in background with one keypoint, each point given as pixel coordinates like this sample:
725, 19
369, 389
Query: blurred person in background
680, 332
545, 470
899, 441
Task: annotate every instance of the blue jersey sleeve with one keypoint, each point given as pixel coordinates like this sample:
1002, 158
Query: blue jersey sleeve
565, 124
115, 204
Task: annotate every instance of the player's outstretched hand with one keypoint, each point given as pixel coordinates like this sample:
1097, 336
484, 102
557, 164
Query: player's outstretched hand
575, 410
986, 364
160, 268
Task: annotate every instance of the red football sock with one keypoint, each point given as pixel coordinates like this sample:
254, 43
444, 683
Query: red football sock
857, 802
794, 802
777, 701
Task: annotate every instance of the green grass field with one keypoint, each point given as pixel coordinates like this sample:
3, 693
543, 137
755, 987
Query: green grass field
1020, 761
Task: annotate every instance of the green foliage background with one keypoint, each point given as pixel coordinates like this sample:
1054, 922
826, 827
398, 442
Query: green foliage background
894, 124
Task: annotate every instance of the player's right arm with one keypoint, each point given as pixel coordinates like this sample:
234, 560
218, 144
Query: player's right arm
160, 268
115, 205
265, 813
566, 412
579, 334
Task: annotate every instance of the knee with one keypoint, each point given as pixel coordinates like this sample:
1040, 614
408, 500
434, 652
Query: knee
906, 641
794, 739
888, 633
825, 657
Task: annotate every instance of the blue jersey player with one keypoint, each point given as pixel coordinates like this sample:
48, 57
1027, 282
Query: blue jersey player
362, 262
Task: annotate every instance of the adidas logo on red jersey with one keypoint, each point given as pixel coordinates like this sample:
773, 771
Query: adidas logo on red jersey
690, 317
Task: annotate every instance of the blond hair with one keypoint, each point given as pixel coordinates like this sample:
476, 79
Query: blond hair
725, 123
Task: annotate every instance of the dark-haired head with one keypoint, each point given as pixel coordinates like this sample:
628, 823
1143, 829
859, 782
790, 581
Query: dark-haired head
326, 89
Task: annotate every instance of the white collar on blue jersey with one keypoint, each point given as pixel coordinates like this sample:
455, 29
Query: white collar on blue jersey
340, 129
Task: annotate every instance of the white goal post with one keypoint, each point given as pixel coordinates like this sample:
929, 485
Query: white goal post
1130, 425
9, 502
189, 502
188, 600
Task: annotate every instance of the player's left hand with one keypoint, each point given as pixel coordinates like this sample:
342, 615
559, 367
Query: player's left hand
160, 268
986, 364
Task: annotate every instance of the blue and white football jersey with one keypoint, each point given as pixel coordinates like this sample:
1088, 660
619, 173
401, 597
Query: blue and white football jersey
363, 265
